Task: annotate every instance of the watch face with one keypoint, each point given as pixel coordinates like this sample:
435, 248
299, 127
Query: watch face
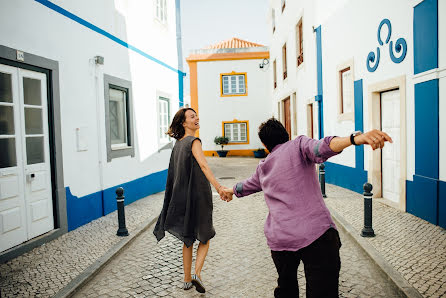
356, 133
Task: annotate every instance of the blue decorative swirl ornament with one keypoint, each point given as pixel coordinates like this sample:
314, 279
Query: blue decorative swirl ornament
400, 45
371, 58
389, 26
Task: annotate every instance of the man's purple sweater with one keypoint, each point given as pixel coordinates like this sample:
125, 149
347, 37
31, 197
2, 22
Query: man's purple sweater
297, 212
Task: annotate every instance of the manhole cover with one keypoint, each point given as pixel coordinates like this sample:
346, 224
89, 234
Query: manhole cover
227, 178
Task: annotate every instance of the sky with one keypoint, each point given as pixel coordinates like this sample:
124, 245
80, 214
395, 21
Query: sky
206, 22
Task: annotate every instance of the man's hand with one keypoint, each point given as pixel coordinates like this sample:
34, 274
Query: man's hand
375, 138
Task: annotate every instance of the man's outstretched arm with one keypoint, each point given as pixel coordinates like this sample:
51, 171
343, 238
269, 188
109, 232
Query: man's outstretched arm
374, 138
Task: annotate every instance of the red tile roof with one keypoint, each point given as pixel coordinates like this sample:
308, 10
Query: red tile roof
233, 43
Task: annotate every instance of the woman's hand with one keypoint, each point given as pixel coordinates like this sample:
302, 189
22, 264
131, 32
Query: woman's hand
225, 193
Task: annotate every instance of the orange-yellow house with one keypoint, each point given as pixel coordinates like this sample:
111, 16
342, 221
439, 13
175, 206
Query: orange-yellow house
230, 90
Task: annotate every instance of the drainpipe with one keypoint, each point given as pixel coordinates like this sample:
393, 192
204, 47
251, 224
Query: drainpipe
97, 73
181, 74
319, 96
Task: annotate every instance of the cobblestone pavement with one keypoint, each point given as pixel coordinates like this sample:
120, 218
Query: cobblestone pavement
414, 247
238, 263
45, 270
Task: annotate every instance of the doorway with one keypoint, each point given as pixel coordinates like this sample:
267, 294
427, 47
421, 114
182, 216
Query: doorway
387, 167
390, 155
26, 200
287, 115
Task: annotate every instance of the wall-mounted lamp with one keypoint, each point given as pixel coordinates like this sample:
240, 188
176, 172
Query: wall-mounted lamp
99, 60
264, 63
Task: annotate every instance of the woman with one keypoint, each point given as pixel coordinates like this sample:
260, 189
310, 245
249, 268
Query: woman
187, 209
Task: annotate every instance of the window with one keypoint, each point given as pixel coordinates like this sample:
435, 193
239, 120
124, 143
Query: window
346, 91
275, 74
118, 118
300, 43
233, 84
161, 11
236, 131
283, 5
274, 20
345, 77
163, 118
284, 61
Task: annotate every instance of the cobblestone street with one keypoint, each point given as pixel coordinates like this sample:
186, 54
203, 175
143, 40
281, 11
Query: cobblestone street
238, 263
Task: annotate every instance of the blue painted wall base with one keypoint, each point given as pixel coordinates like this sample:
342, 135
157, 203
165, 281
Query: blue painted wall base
442, 204
347, 177
422, 196
82, 210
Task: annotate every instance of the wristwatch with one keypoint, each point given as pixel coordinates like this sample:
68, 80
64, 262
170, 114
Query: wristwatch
353, 135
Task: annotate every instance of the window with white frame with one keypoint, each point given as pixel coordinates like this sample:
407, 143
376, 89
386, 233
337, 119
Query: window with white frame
163, 120
273, 20
161, 11
236, 132
346, 82
233, 84
118, 117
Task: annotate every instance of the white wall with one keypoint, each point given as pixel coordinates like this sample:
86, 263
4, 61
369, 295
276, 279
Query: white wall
34, 28
351, 33
213, 109
302, 79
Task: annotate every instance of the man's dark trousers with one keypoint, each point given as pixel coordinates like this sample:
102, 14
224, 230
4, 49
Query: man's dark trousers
321, 265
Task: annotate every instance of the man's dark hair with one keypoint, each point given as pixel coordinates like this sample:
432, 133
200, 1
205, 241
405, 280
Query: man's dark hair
272, 133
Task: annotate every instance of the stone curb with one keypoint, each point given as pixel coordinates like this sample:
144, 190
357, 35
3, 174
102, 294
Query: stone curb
395, 277
79, 281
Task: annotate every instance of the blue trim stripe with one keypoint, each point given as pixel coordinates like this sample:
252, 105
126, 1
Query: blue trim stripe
82, 210
104, 33
359, 122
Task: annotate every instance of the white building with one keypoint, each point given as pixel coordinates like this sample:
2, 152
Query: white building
342, 66
229, 90
87, 89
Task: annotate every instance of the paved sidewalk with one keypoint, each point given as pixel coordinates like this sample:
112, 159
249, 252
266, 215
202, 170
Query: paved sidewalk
414, 248
47, 269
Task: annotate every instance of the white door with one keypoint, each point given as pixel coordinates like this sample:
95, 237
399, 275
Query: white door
26, 208
391, 163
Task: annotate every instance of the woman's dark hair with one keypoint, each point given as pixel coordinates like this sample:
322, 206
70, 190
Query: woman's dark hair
176, 129
272, 133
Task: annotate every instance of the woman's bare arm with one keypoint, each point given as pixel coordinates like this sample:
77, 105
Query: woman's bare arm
197, 151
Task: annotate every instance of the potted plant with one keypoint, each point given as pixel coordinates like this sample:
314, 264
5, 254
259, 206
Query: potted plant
221, 141
259, 153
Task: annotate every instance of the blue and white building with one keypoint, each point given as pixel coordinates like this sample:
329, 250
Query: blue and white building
87, 90
342, 66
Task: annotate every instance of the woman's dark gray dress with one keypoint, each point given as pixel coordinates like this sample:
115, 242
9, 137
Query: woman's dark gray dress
187, 209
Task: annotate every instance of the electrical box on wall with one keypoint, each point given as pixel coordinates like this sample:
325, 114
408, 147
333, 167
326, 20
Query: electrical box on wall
81, 139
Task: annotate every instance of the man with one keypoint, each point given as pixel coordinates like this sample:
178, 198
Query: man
299, 225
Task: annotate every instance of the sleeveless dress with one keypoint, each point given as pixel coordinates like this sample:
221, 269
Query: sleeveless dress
187, 208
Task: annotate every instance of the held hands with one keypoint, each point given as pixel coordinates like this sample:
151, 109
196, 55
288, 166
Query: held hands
225, 193
375, 138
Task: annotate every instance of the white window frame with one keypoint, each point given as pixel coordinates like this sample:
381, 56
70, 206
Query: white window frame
161, 10
122, 114
163, 127
236, 126
342, 86
234, 86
